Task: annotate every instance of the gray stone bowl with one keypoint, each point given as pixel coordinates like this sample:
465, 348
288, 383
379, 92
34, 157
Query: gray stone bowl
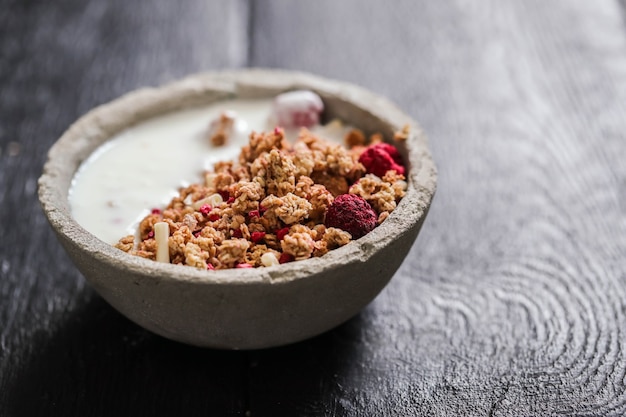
240, 308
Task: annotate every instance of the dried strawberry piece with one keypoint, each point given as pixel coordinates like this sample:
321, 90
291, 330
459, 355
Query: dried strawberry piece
214, 217
155, 211
380, 158
285, 257
237, 233
254, 213
230, 200
351, 213
281, 233
256, 237
225, 195
205, 209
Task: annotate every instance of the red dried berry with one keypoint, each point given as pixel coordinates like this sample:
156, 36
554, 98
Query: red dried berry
225, 195
155, 211
214, 217
285, 257
150, 234
205, 209
244, 266
210, 267
391, 150
281, 233
351, 213
237, 233
262, 209
253, 213
256, 237
380, 158
230, 200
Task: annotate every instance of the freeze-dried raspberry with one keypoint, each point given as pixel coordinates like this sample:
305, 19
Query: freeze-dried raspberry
391, 150
351, 213
380, 158
205, 209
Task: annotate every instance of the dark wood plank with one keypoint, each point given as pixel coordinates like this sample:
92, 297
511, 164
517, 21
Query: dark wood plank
512, 300
63, 351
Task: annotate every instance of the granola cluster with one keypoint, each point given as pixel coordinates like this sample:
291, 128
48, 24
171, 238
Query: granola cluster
271, 206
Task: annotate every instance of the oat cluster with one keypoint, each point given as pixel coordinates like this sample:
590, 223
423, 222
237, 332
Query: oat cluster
269, 207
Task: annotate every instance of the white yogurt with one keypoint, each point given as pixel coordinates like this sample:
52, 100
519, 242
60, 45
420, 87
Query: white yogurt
144, 166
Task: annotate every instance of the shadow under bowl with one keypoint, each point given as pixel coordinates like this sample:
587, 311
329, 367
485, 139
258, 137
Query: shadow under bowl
240, 308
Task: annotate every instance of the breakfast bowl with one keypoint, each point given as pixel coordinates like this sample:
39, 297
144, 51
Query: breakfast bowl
240, 308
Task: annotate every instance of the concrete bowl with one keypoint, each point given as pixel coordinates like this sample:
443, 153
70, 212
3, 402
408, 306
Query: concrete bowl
240, 308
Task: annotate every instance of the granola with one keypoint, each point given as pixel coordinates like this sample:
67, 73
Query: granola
271, 206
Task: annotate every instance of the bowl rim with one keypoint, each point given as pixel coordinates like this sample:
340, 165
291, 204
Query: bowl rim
144, 103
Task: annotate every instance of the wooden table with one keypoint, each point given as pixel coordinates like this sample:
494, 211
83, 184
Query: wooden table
513, 299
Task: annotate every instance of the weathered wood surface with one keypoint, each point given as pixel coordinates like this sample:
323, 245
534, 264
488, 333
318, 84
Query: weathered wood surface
512, 301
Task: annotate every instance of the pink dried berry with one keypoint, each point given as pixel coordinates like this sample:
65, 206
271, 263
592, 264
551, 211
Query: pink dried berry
205, 209
244, 266
351, 213
155, 211
150, 234
210, 267
254, 213
380, 158
300, 108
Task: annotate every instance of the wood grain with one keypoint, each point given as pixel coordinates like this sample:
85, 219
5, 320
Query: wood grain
510, 303
63, 350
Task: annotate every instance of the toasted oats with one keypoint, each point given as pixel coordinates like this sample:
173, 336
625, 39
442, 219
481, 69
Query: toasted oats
298, 245
402, 134
126, 243
269, 208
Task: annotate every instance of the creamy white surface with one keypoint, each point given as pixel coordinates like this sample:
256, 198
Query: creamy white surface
144, 166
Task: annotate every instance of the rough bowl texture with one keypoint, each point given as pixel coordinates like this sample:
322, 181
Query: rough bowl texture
240, 309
